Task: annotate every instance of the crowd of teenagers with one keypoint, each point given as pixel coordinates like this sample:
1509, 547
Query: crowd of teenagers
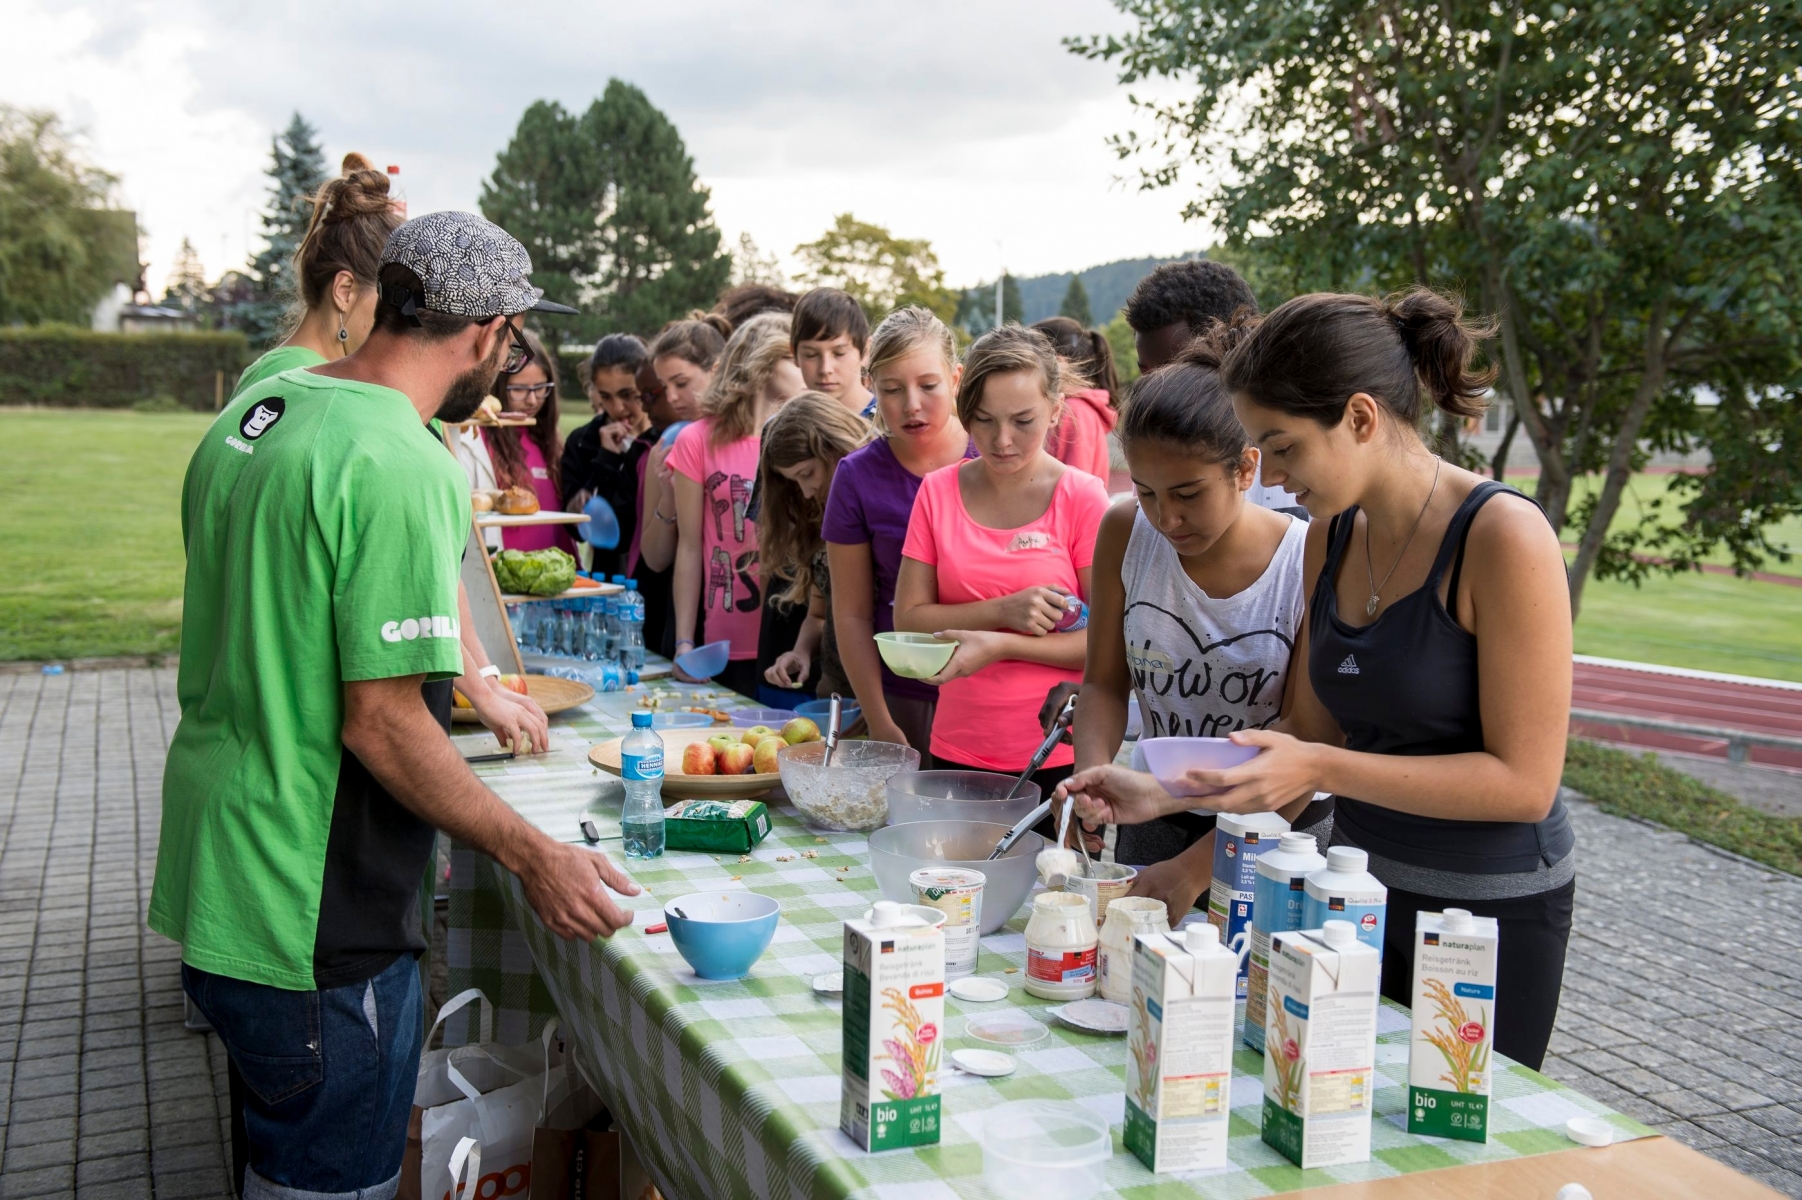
1293, 568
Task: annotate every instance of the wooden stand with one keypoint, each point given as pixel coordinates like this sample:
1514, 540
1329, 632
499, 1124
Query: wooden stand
488, 604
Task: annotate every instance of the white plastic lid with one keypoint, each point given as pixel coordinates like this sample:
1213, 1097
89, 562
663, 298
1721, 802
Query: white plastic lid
1200, 937
1348, 859
886, 913
1298, 843
1340, 933
1457, 920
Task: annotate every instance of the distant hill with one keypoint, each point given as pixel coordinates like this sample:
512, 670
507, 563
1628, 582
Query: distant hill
1108, 286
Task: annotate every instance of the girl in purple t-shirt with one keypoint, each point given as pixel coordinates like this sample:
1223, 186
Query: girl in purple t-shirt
914, 372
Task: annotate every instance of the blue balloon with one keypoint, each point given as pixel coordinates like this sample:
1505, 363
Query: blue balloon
602, 528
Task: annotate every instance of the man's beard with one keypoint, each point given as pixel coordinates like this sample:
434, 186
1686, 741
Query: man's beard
468, 390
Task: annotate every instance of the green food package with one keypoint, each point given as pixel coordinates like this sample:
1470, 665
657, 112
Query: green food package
733, 826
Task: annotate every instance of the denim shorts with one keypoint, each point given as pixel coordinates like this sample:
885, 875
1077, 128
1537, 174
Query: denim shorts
327, 1079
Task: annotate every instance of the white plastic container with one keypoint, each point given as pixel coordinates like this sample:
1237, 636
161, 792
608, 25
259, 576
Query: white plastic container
1127, 917
1045, 1150
1061, 944
1240, 839
1278, 908
1320, 1075
1179, 1069
1347, 891
956, 892
1453, 1036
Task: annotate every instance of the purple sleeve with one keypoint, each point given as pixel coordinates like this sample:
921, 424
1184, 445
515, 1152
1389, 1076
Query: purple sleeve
843, 522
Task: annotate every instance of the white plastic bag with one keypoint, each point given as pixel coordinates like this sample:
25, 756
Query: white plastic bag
491, 1094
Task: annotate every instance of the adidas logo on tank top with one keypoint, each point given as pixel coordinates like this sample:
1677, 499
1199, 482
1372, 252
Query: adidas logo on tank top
1349, 666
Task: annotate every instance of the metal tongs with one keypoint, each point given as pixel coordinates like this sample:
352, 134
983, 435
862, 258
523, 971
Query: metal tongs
831, 728
1060, 726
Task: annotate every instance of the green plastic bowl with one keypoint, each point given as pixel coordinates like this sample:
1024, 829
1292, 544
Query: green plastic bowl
914, 655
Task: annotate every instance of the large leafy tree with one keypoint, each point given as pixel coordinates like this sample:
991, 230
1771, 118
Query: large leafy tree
296, 171
57, 256
1617, 184
883, 272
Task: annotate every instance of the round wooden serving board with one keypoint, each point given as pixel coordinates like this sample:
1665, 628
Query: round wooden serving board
676, 785
553, 695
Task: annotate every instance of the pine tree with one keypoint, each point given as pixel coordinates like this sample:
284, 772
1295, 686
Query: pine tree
296, 171
1013, 307
547, 189
186, 287
1076, 303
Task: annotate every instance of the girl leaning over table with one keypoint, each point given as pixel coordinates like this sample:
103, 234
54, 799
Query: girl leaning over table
1013, 515
1438, 644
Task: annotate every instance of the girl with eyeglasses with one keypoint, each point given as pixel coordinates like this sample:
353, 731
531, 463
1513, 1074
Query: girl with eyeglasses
530, 456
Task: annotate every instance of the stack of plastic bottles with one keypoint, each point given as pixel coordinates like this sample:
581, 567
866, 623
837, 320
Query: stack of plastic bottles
604, 632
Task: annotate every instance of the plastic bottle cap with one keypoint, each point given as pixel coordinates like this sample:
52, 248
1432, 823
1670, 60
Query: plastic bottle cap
886, 913
1298, 843
1347, 858
641, 719
1458, 920
1200, 937
1340, 933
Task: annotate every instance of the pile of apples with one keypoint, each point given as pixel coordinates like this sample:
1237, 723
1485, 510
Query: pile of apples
750, 753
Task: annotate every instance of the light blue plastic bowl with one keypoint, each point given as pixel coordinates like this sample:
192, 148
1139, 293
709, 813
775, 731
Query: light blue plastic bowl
602, 527
680, 720
776, 718
819, 710
704, 662
722, 933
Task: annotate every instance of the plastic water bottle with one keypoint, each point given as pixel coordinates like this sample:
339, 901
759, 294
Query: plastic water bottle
610, 615
1076, 615
641, 767
631, 652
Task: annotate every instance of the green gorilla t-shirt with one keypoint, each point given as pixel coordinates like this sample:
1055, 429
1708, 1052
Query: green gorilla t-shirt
274, 362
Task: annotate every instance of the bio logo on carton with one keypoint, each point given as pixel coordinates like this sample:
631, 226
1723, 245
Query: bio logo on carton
1179, 1070
1239, 840
1454, 1025
1320, 1031
894, 1017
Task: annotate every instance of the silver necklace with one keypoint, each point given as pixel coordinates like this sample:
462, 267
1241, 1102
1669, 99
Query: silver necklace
1370, 608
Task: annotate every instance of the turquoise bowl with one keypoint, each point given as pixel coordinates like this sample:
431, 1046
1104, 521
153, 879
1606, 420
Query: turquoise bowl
721, 934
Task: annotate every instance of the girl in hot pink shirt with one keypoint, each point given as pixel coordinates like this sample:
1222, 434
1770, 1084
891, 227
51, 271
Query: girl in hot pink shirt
530, 456
980, 530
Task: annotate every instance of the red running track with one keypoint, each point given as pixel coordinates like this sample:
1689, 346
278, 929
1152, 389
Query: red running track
1719, 703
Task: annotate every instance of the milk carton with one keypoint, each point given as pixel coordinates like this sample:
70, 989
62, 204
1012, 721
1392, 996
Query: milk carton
1277, 909
894, 1016
1347, 891
1239, 839
1454, 1025
1320, 1055
1179, 1071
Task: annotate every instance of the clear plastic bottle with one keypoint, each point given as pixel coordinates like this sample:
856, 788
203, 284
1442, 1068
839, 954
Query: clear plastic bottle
610, 633
631, 649
397, 191
641, 768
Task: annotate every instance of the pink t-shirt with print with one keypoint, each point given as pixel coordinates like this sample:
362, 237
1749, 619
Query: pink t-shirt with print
731, 594
990, 718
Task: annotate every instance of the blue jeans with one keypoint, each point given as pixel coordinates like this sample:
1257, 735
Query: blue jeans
322, 1081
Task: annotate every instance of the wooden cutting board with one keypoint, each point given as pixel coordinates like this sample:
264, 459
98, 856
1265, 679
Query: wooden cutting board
677, 785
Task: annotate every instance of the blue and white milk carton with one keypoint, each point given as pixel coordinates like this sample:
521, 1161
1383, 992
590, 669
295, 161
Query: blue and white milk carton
1347, 891
1239, 840
1280, 907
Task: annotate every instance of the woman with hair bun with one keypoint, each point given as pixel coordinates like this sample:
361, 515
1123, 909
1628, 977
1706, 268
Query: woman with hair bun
1436, 700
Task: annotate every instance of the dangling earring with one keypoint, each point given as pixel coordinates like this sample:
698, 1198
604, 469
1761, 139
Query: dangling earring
343, 335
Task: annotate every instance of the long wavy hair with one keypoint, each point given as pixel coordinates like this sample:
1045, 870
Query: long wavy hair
504, 445
751, 357
810, 426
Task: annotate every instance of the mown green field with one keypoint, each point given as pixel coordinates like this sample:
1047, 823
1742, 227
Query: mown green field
91, 561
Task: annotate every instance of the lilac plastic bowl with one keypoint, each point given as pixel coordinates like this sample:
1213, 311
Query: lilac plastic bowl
1168, 757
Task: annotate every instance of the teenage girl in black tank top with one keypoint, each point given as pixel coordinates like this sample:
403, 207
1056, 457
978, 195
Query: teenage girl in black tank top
1437, 697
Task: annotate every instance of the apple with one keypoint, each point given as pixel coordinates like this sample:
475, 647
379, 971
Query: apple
763, 759
736, 760
697, 759
757, 733
800, 730
514, 683
722, 742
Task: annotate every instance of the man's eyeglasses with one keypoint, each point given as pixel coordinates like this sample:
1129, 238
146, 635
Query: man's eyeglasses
518, 354
533, 391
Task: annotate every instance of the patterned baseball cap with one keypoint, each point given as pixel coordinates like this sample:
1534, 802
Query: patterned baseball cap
465, 266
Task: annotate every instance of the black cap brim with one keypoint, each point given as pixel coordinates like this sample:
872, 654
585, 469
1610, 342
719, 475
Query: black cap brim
551, 306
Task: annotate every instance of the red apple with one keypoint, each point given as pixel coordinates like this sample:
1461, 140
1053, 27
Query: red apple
698, 759
736, 760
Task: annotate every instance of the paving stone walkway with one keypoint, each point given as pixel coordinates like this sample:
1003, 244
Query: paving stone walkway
1682, 1003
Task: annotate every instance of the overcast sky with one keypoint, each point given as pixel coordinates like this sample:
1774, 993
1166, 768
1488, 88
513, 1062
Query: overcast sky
963, 122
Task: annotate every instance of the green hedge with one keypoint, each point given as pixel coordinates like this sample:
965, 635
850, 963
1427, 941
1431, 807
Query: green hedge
65, 367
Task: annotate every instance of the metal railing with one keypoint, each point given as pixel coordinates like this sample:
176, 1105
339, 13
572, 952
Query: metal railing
1739, 741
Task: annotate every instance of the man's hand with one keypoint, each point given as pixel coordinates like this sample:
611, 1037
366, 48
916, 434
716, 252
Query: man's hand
564, 886
1112, 795
515, 720
1054, 703
1178, 881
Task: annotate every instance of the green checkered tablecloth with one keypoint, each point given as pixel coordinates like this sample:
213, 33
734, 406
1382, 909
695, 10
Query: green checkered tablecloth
732, 1088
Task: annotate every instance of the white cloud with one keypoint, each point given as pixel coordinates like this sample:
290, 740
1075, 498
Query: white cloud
963, 123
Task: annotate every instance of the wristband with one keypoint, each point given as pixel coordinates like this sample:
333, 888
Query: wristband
689, 642
490, 672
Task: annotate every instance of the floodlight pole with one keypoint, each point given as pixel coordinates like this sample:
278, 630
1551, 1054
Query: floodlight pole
1000, 281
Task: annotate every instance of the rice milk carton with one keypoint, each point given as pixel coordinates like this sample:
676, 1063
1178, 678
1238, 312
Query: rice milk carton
894, 1017
1239, 840
1454, 1025
1277, 909
1179, 1071
1347, 891
1320, 1075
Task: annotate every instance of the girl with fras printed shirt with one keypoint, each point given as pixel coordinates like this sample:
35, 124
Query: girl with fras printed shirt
978, 530
1436, 699
913, 371
715, 463
1091, 391
531, 456
802, 447
1198, 602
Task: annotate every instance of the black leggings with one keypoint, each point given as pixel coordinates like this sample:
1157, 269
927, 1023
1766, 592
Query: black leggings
1533, 933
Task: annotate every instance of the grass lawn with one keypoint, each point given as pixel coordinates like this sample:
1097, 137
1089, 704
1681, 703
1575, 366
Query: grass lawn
1705, 622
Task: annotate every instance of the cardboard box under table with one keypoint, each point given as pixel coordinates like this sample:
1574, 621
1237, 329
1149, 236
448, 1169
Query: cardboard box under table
732, 1088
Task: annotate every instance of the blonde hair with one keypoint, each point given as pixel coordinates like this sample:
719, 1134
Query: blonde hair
750, 358
1002, 352
906, 330
810, 426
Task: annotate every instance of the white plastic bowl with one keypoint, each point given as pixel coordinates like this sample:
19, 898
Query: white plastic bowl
1167, 758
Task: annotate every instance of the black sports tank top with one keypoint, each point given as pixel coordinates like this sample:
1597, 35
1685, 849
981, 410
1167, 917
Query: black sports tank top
1407, 684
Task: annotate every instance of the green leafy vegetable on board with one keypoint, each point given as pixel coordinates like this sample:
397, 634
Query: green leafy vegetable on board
534, 573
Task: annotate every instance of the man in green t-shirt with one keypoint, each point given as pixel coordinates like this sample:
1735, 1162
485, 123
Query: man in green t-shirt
324, 527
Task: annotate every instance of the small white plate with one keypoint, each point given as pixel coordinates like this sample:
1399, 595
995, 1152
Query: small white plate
830, 984
1094, 1016
990, 1063
978, 989
1589, 1131
1008, 1028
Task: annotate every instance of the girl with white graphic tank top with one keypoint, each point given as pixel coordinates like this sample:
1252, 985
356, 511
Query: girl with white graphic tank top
1198, 600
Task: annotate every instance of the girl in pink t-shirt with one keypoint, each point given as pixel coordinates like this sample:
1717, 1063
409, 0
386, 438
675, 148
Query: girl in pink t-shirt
994, 547
717, 582
530, 456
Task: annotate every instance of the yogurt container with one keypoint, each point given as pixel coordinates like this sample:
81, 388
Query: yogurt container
956, 892
1061, 944
1127, 917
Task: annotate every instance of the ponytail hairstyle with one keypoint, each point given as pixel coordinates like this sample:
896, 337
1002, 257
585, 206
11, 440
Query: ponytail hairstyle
1089, 358
700, 339
503, 442
352, 218
812, 425
750, 358
1185, 403
1001, 352
1310, 355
